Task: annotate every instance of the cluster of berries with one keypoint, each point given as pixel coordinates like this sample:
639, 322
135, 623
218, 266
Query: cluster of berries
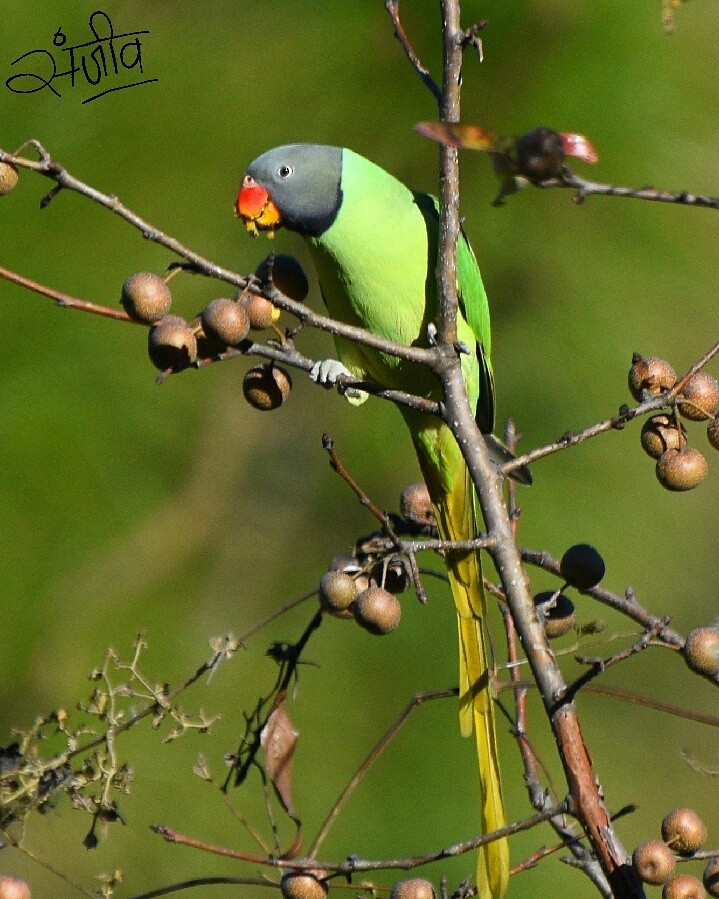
664, 437
683, 834
364, 585
174, 343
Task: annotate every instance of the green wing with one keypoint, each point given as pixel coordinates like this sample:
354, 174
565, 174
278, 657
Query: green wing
474, 311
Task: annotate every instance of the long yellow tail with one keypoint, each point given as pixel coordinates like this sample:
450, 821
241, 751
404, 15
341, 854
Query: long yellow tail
456, 520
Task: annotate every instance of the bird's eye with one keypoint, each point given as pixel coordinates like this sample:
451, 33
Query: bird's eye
284, 171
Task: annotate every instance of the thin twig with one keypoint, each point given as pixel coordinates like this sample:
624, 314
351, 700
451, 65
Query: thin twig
599, 666
203, 882
657, 704
64, 299
628, 605
383, 518
369, 761
392, 7
91, 894
586, 188
355, 864
616, 422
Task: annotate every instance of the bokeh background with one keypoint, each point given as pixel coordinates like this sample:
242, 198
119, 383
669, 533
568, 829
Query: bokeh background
180, 513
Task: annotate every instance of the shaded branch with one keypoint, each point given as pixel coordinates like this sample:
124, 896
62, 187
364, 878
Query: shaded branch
628, 604
355, 864
585, 790
392, 7
585, 188
63, 299
203, 882
615, 423
369, 761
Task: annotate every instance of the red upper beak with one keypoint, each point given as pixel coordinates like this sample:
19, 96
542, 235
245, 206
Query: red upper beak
255, 207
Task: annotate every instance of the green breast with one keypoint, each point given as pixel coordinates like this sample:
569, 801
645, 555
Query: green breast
376, 266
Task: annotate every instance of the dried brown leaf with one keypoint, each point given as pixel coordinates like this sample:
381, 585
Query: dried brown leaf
278, 740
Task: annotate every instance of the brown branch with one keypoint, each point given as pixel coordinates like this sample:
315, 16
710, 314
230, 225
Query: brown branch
369, 761
616, 422
585, 188
355, 864
392, 7
584, 787
628, 605
202, 882
64, 299
583, 783
530, 761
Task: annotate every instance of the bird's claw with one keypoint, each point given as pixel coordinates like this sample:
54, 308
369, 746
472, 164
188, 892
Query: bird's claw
327, 373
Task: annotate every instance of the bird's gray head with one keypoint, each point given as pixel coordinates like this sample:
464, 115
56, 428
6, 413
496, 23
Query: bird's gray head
298, 185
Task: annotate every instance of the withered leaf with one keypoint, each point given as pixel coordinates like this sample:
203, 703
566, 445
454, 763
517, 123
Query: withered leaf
278, 739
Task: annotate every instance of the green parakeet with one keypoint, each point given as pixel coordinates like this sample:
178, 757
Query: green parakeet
374, 245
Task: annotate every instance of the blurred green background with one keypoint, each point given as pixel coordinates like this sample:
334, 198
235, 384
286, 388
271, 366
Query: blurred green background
181, 513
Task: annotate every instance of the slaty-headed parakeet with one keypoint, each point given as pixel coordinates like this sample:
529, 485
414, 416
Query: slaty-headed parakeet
374, 245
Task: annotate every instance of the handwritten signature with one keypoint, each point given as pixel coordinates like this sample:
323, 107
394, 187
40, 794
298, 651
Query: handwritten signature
95, 64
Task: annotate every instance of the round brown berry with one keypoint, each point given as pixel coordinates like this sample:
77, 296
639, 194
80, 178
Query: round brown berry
415, 504
713, 433
266, 387
683, 886
146, 298
660, 433
302, 885
654, 861
171, 344
8, 177
652, 375
710, 877
377, 611
338, 590
684, 831
582, 566
288, 276
13, 888
701, 396
681, 469
225, 320
557, 618
260, 312
701, 650
415, 888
